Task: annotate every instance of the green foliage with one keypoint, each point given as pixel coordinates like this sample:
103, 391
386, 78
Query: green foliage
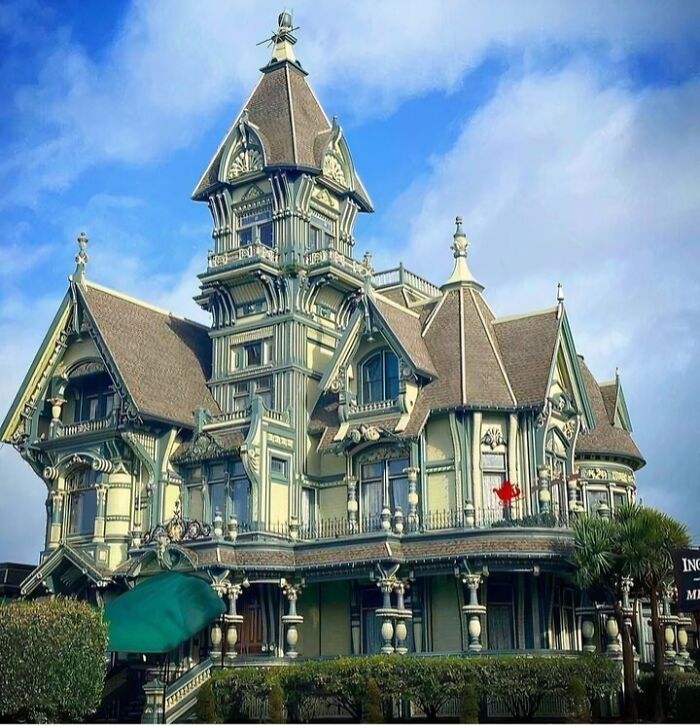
52, 660
205, 710
681, 696
531, 520
275, 704
577, 699
373, 707
519, 682
469, 704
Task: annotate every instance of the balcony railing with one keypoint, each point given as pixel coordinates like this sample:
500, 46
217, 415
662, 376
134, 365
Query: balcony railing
401, 276
331, 256
84, 427
241, 255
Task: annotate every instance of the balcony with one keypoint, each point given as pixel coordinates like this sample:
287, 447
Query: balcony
255, 252
84, 427
323, 258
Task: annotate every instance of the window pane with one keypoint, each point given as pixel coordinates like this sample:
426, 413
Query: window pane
245, 236
493, 480
372, 471
315, 237
308, 507
372, 380
217, 499
493, 461
109, 404
278, 466
266, 234
399, 495
240, 499
391, 373
619, 500
595, 499
396, 466
238, 469
253, 353
83, 510
371, 498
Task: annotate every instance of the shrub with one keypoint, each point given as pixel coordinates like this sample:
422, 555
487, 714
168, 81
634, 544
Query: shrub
469, 704
577, 700
235, 689
275, 704
205, 710
52, 660
373, 708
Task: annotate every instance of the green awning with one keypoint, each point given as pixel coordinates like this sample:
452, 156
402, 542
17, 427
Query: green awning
160, 613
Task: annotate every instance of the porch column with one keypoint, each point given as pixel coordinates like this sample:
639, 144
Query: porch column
612, 631
232, 620
402, 615
99, 531
669, 622
627, 610
474, 612
544, 495
386, 613
292, 619
351, 483
216, 640
153, 712
413, 520
683, 654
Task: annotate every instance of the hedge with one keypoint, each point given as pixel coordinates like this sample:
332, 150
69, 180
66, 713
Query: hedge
681, 696
519, 682
52, 662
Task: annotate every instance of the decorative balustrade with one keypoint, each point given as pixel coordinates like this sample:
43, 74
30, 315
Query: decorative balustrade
401, 276
241, 415
182, 692
372, 407
241, 255
331, 256
84, 427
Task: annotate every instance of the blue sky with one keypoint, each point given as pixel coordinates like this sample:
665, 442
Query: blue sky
565, 133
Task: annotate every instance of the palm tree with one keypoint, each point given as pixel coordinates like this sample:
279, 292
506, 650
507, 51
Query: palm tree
649, 538
599, 565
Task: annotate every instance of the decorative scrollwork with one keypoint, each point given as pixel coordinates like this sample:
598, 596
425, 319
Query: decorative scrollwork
177, 529
493, 438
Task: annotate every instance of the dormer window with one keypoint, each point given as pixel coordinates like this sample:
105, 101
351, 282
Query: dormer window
255, 226
94, 397
380, 377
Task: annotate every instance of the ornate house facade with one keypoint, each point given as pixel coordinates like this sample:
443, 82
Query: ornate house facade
356, 461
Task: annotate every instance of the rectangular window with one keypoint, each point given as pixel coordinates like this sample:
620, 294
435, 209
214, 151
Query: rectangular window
253, 353
245, 237
240, 493
217, 498
263, 387
241, 396
256, 226
266, 234
493, 476
279, 466
308, 508
251, 308
315, 238
619, 499
82, 508
596, 497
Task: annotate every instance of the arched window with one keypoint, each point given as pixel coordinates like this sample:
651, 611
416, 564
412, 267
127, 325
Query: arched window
380, 377
82, 505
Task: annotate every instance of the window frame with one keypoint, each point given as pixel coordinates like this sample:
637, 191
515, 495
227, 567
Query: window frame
76, 490
386, 479
384, 355
251, 222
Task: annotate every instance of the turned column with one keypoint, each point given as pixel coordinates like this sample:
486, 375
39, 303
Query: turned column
402, 615
544, 495
292, 619
233, 621
56, 424
474, 612
413, 521
385, 613
351, 483
58, 497
216, 641
99, 531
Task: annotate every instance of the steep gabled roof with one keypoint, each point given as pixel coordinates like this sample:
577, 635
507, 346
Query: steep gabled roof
459, 337
164, 361
527, 344
605, 438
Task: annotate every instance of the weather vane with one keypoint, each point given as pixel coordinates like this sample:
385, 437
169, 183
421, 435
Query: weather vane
284, 30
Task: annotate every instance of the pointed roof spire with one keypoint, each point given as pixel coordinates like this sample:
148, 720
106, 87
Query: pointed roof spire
461, 273
283, 41
81, 259
560, 300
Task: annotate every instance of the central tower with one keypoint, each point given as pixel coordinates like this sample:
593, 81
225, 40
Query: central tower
281, 280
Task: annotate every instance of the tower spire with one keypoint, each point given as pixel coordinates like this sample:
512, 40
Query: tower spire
461, 273
81, 259
283, 40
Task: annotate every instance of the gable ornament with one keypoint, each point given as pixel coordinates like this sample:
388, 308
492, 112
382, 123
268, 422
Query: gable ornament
493, 438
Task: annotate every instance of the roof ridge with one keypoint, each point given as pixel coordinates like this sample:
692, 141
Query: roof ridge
521, 316
288, 83
143, 303
396, 305
493, 347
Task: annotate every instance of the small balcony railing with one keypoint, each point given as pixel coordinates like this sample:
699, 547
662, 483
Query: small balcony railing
240, 255
84, 427
331, 256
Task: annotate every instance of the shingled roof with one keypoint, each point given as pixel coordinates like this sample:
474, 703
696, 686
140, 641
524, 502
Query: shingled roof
609, 393
527, 345
605, 438
164, 361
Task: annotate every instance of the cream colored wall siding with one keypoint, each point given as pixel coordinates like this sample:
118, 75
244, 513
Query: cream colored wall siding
441, 491
333, 502
118, 505
333, 466
82, 349
117, 553
309, 607
335, 618
439, 439
172, 492
446, 615
279, 502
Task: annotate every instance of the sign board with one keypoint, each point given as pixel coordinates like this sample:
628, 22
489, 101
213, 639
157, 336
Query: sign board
686, 564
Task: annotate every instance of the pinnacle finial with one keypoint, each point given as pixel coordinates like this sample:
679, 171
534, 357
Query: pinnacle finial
460, 245
560, 300
81, 259
283, 39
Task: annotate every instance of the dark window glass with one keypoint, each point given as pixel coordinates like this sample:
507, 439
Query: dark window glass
245, 236
278, 466
372, 389
315, 237
253, 354
217, 498
263, 388
240, 497
240, 397
266, 234
83, 501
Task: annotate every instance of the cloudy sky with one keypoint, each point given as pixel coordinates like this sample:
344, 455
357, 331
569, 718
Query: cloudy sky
566, 134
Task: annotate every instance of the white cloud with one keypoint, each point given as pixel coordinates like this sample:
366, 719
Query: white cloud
176, 64
561, 179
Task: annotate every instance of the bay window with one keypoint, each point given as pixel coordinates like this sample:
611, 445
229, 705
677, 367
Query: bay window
82, 504
383, 484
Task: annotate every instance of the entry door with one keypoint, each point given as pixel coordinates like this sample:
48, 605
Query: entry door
252, 629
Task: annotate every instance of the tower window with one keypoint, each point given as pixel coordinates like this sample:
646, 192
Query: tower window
256, 226
253, 353
380, 377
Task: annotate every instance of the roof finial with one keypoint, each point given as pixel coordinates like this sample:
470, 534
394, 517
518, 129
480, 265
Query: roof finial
460, 245
283, 39
81, 259
560, 300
